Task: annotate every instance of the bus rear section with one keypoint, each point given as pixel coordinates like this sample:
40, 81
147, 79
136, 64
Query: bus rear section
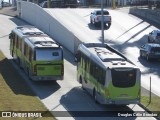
48, 64
123, 86
108, 75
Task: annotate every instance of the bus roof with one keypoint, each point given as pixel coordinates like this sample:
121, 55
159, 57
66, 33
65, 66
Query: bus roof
105, 55
41, 41
27, 30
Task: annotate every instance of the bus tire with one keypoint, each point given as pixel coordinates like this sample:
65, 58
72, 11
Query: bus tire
18, 61
12, 53
95, 96
82, 84
80, 80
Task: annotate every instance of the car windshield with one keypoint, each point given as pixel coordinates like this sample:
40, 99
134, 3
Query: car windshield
104, 13
155, 49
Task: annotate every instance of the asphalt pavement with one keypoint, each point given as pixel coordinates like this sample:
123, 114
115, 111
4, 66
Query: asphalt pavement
12, 11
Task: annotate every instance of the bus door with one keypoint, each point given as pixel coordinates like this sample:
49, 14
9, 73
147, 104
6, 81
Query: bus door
15, 46
100, 76
87, 75
83, 67
83, 71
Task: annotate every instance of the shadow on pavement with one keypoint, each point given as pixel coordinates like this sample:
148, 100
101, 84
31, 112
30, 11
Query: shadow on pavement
11, 76
81, 106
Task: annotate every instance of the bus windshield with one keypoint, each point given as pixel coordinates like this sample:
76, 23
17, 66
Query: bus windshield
48, 54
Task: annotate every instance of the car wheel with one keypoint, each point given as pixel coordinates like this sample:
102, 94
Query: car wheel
108, 25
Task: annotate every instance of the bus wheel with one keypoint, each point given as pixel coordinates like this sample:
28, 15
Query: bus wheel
95, 97
12, 53
18, 62
82, 84
80, 80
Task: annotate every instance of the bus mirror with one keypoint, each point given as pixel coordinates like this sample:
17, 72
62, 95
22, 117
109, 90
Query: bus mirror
10, 36
76, 59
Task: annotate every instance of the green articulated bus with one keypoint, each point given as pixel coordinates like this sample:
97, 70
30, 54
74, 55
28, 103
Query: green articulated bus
39, 55
108, 75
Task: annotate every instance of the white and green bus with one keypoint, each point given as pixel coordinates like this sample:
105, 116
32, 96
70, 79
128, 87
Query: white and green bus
39, 55
108, 75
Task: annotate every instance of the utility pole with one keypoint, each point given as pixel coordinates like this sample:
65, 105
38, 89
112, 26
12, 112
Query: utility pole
49, 4
102, 22
113, 4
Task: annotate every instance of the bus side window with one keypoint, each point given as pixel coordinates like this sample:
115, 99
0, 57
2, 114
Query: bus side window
27, 52
25, 49
82, 61
101, 74
17, 42
98, 73
30, 55
85, 63
14, 41
20, 43
92, 68
13, 36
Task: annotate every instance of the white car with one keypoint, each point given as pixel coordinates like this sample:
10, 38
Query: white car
154, 36
95, 17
